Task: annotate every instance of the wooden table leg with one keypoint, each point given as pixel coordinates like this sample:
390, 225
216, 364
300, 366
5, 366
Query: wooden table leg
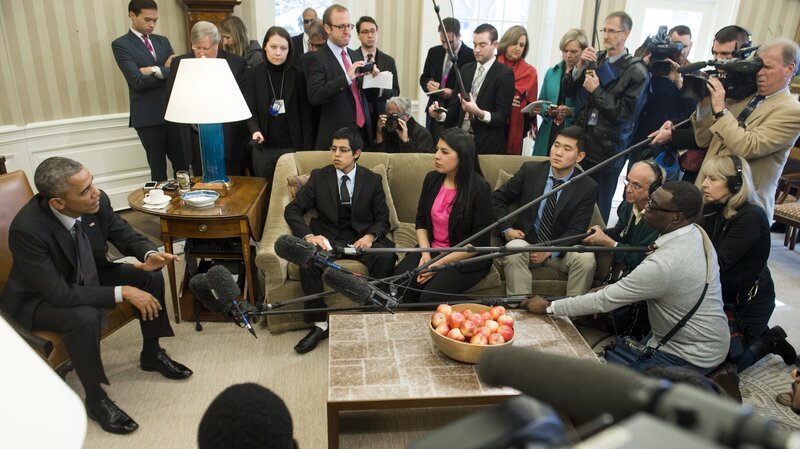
333, 427
248, 274
173, 287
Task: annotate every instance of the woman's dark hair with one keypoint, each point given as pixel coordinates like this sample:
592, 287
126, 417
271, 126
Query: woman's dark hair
279, 31
468, 167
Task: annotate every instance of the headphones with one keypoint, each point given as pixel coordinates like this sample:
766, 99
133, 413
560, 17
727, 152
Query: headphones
739, 29
659, 181
735, 182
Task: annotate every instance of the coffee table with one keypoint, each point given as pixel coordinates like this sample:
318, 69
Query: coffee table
383, 361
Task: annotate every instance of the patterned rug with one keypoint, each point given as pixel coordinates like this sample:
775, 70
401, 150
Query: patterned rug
761, 383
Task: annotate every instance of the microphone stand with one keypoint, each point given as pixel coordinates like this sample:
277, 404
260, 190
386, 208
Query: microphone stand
452, 55
500, 301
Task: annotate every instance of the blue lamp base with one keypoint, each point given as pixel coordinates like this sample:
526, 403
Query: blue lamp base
212, 153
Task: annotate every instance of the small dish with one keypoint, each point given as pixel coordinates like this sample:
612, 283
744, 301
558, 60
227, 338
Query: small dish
164, 202
200, 198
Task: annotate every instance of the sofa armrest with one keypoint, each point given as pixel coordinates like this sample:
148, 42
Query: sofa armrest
275, 269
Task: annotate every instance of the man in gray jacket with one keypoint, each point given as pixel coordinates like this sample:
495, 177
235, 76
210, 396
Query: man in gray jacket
671, 279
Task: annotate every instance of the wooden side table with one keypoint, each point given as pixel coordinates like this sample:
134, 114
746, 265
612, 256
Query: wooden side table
238, 214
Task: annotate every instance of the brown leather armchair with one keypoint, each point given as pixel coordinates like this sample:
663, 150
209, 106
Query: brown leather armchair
16, 192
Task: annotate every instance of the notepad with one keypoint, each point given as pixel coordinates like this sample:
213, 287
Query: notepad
384, 80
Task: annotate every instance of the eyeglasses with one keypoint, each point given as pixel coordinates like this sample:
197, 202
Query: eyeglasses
368, 32
335, 149
652, 207
344, 26
634, 186
610, 31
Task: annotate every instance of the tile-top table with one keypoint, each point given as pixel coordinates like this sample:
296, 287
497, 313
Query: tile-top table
384, 361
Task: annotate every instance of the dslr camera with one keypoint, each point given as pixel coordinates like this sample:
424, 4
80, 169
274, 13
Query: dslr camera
392, 122
738, 77
661, 48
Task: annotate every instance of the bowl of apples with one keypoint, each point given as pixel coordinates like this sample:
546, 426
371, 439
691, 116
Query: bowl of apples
463, 331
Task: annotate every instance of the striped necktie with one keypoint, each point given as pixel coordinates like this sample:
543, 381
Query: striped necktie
546, 226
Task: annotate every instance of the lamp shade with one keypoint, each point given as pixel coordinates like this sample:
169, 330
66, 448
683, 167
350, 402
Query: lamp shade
206, 92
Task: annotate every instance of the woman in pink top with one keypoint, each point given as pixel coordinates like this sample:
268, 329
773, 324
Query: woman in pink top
455, 203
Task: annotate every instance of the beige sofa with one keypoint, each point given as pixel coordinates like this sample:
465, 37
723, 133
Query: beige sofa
404, 174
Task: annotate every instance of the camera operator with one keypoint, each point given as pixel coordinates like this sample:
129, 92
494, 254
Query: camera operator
665, 53
398, 132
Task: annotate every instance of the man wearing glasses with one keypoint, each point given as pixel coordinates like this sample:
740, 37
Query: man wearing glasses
672, 279
352, 211
333, 78
301, 43
609, 89
376, 98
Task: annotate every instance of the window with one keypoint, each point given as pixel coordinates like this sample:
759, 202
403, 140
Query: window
289, 13
500, 13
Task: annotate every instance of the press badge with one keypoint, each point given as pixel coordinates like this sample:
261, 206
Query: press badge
277, 107
592, 117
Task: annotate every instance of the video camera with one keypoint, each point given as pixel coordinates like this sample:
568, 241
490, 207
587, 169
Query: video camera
661, 48
738, 77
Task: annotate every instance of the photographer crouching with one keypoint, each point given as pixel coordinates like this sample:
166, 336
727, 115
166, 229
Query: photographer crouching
398, 132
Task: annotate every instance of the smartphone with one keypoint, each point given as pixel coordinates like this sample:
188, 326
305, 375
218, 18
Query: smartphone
170, 186
440, 110
150, 185
367, 68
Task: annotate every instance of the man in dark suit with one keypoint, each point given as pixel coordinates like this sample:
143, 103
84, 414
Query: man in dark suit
367, 31
434, 76
566, 213
61, 281
205, 44
333, 81
144, 60
352, 211
301, 43
491, 91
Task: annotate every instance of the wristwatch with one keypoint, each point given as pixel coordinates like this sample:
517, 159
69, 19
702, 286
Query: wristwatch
718, 115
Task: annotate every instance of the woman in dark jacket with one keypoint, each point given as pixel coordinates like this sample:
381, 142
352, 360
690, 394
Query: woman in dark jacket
275, 92
739, 230
455, 203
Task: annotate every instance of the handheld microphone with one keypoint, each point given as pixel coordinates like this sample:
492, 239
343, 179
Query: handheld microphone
304, 254
622, 392
225, 291
358, 289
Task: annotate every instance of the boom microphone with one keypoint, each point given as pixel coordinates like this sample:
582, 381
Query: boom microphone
585, 389
304, 254
225, 291
358, 289
693, 67
201, 290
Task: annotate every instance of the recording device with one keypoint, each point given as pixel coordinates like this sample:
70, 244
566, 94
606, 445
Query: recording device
150, 185
591, 66
662, 48
358, 289
170, 187
392, 122
738, 77
304, 254
585, 390
366, 68
217, 291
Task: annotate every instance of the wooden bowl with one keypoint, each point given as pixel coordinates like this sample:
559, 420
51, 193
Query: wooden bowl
463, 351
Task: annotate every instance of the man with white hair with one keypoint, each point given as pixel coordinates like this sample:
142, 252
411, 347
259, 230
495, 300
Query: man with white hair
398, 132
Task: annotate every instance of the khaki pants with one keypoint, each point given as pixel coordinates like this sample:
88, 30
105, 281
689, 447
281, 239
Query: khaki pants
579, 268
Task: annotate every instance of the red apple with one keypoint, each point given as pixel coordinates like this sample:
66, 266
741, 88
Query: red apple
467, 314
486, 315
506, 331
506, 320
445, 309
437, 319
497, 311
455, 334
479, 339
442, 329
496, 339
469, 328
456, 319
478, 319
492, 325
483, 330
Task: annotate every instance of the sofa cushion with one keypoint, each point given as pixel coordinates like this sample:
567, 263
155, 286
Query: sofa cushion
294, 183
380, 169
502, 178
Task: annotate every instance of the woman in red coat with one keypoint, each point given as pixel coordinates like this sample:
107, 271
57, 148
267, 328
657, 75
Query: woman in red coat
511, 52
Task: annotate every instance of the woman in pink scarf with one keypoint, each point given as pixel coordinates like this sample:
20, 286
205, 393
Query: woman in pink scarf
512, 51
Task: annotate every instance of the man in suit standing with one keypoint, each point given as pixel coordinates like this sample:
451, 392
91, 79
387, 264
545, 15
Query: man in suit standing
205, 44
144, 60
566, 213
300, 43
367, 31
61, 281
439, 72
352, 211
333, 77
491, 91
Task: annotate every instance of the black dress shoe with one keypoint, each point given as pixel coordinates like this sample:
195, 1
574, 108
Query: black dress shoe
776, 338
110, 417
311, 340
164, 365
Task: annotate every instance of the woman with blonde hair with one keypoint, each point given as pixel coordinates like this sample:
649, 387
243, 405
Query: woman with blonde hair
511, 52
735, 221
558, 114
234, 40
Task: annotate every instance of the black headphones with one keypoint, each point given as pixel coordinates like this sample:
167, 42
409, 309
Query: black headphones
659, 181
735, 182
739, 29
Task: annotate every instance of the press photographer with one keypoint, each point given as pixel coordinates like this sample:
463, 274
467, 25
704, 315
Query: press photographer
398, 132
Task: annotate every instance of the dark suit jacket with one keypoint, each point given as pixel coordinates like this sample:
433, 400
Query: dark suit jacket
495, 95
376, 101
475, 217
370, 213
573, 210
297, 47
328, 89
238, 67
258, 94
432, 70
146, 91
45, 258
